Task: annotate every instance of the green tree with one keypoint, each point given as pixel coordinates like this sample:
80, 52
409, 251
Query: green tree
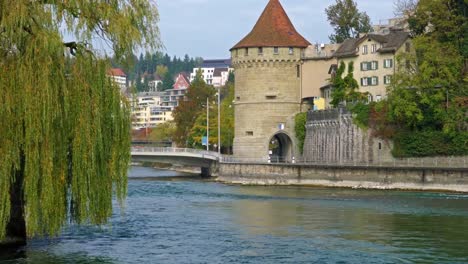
188, 110
168, 82
347, 21
163, 132
65, 135
435, 73
198, 130
345, 90
161, 70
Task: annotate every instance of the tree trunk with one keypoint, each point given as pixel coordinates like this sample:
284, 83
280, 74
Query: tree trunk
16, 228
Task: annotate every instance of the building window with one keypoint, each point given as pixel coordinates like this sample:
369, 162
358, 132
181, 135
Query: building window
275, 50
387, 79
388, 63
364, 49
374, 65
260, 51
364, 81
246, 51
249, 133
375, 81
364, 66
369, 98
378, 98
373, 48
298, 71
270, 97
291, 50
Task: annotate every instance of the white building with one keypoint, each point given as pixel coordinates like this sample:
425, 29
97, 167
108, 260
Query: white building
214, 72
119, 77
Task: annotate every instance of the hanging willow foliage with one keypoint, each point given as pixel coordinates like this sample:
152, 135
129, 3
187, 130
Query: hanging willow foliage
64, 124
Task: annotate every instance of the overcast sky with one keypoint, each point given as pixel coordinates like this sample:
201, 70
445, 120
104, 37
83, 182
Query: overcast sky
209, 28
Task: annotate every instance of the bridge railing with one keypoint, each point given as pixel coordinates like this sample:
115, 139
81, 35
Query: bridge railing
436, 162
175, 150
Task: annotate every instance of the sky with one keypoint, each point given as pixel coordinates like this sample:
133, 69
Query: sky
209, 28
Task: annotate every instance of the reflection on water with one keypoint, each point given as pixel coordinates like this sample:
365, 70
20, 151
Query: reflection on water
197, 221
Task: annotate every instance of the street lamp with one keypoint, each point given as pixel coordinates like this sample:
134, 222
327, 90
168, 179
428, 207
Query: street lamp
207, 123
219, 124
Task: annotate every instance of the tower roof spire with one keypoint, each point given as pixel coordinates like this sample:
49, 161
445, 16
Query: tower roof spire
273, 29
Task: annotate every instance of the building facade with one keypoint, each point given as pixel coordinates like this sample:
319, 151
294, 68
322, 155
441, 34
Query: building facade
267, 65
119, 77
148, 111
214, 72
374, 57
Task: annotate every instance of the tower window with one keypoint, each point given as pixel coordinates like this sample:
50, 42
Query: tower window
275, 50
298, 71
246, 51
291, 50
260, 51
249, 133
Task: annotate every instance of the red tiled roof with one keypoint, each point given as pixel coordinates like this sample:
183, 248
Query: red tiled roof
273, 29
116, 72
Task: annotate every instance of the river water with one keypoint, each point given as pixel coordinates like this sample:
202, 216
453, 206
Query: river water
171, 219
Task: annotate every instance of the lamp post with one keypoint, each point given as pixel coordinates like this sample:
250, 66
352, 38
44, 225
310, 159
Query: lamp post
207, 123
219, 123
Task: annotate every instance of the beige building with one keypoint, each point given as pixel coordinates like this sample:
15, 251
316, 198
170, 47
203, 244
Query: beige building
267, 65
148, 111
374, 58
317, 60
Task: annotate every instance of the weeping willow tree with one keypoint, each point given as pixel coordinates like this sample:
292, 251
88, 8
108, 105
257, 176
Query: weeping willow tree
64, 133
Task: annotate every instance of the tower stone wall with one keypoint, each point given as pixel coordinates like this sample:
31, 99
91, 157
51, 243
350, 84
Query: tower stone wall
267, 96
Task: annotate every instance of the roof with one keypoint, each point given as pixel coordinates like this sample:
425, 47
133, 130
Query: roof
273, 29
391, 42
117, 72
348, 48
217, 72
218, 63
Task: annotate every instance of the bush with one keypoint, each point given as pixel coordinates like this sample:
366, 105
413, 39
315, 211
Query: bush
299, 127
429, 143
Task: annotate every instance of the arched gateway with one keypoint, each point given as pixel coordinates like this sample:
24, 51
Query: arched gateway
280, 148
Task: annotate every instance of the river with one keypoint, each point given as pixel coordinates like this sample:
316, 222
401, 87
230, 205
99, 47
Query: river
170, 218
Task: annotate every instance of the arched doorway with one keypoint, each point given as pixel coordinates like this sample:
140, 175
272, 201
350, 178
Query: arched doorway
280, 148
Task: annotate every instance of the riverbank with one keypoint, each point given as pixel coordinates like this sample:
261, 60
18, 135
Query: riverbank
171, 167
356, 177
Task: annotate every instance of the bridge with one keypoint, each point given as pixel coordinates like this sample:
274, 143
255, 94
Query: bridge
182, 156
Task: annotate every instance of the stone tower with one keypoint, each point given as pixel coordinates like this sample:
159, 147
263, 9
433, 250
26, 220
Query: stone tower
267, 65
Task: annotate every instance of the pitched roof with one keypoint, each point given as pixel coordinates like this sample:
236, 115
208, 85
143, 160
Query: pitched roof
394, 41
273, 29
390, 43
347, 48
117, 72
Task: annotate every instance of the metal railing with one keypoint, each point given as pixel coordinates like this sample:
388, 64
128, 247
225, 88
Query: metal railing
433, 162
436, 162
174, 150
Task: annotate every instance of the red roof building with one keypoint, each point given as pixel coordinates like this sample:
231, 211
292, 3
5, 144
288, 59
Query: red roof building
117, 72
181, 82
273, 29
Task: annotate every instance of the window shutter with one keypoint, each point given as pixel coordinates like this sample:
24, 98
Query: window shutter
362, 67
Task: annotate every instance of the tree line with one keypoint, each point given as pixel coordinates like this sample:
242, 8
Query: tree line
146, 67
